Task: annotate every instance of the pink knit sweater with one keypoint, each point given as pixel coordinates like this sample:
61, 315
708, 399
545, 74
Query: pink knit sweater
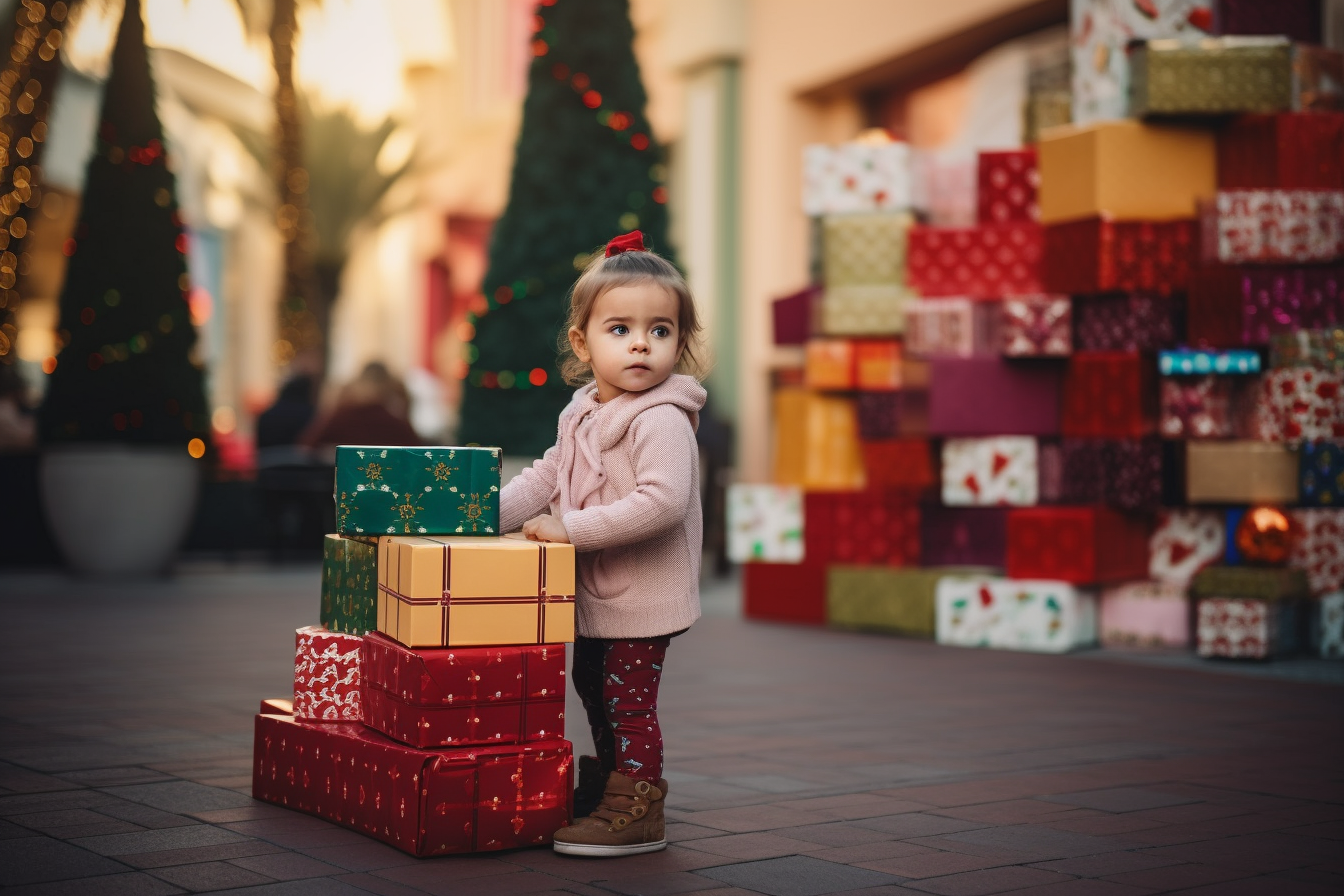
624, 478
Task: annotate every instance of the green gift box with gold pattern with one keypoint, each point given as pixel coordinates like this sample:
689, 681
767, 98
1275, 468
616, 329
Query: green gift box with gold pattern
350, 584
417, 491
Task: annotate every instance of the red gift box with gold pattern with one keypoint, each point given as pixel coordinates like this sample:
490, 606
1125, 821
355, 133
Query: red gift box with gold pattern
1082, 545
1109, 395
1319, 548
423, 802
1284, 151
898, 464
785, 592
878, 527
326, 675
463, 696
982, 262
1100, 255
1006, 186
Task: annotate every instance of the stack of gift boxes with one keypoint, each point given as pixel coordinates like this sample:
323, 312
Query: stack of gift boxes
428, 707
1055, 438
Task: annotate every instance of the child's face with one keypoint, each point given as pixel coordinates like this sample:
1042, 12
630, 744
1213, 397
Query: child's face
631, 341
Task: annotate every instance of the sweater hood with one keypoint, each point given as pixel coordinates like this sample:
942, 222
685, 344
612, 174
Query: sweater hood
679, 390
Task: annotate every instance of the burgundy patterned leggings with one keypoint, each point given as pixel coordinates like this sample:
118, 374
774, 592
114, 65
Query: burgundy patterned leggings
618, 684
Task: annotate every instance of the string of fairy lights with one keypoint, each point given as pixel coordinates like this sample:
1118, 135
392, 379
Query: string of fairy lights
621, 125
23, 128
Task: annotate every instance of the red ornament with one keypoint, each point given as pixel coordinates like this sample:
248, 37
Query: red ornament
1266, 536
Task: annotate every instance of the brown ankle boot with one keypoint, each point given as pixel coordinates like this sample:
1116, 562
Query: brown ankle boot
629, 820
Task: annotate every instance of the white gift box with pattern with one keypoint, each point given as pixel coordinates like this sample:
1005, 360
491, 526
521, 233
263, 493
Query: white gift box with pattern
1330, 625
326, 675
1319, 547
988, 472
1184, 542
765, 522
1242, 628
1015, 614
856, 177
1277, 225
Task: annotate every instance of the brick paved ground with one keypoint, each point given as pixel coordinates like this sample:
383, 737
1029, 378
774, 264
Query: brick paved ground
801, 762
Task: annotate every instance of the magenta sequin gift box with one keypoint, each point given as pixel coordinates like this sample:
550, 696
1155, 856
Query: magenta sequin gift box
1278, 299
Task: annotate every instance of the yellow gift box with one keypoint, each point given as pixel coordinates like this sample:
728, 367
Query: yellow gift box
816, 441
1125, 170
464, 591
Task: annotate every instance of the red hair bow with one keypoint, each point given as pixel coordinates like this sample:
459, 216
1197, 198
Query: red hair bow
626, 242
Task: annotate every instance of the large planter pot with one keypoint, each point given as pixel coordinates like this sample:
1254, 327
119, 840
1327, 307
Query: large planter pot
119, 509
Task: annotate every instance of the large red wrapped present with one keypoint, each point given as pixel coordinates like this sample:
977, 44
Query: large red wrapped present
463, 696
1254, 226
424, 802
983, 262
1284, 151
1109, 395
1100, 255
1319, 548
1037, 326
993, 396
1230, 305
326, 675
785, 592
1082, 545
1298, 404
898, 464
878, 527
1124, 323
1006, 186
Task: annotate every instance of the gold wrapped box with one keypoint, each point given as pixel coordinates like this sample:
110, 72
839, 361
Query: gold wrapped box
864, 310
463, 591
865, 248
1125, 171
1240, 472
1225, 75
816, 441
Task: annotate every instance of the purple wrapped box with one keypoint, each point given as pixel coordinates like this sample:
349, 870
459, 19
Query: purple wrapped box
1279, 298
1297, 19
794, 314
1124, 322
1134, 474
1082, 472
890, 415
963, 536
991, 396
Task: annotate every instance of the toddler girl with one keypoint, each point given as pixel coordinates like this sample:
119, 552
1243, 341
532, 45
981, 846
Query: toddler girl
622, 485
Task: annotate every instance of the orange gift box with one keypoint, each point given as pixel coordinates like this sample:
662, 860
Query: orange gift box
816, 441
877, 365
829, 364
462, 591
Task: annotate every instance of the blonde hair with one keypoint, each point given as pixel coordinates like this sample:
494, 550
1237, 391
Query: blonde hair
602, 274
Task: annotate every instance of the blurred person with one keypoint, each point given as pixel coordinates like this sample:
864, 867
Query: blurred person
289, 415
372, 409
621, 485
18, 423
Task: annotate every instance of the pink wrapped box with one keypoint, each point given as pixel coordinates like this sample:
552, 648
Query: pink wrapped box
1320, 547
1007, 185
1196, 407
991, 396
984, 262
1243, 628
1298, 403
1274, 225
951, 326
1185, 542
987, 472
1145, 614
1037, 325
326, 675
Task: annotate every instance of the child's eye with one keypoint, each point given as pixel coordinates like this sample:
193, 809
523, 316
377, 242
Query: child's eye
620, 329
661, 332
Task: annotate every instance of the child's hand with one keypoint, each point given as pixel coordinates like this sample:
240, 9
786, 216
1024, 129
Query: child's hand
546, 528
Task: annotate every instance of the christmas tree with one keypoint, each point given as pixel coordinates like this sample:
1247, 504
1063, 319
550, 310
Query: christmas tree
124, 372
585, 170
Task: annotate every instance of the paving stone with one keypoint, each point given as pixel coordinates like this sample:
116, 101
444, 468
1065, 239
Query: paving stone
26, 804
746, 819
1034, 843
109, 777
166, 857
798, 876
368, 856
1177, 877
210, 876
129, 884
1119, 799
933, 863
677, 831
987, 881
287, 866
1084, 887
917, 824
180, 796
759, 845
835, 834
661, 884
10, 831
297, 831
1107, 864
317, 886
154, 841
34, 860
377, 885
21, 780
